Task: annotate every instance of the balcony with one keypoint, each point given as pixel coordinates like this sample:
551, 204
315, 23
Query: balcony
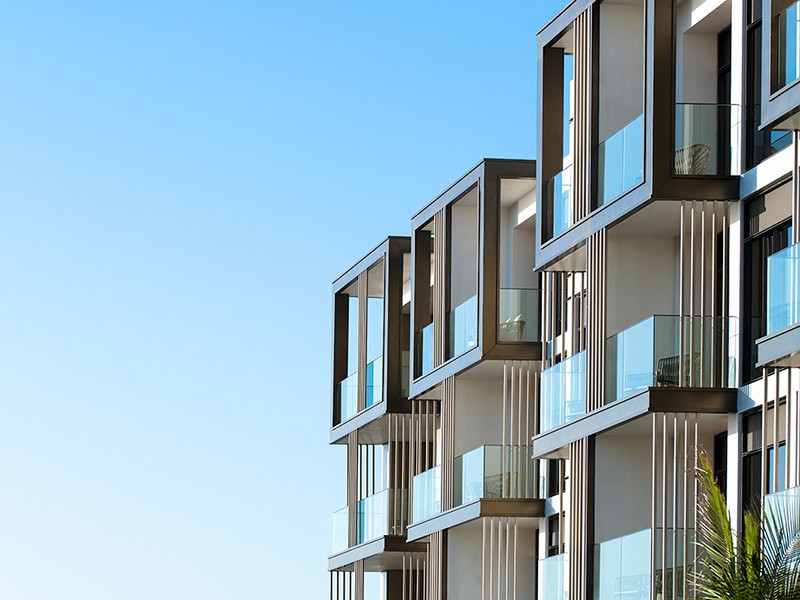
518, 315
670, 351
622, 567
347, 390
707, 139
380, 514
427, 494
485, 472
563, 392
553, 578
621, 161
783, 289
463, 327
340, 522
787, 68
558, 205
489, 472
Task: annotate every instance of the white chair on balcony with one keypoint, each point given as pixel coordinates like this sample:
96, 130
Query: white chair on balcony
692, 160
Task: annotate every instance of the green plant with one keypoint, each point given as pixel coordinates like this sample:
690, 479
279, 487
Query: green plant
762, 562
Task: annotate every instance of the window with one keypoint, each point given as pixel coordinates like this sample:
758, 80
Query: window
751, 460
766, 232
555, 545
758, 144
462, 262
721, 461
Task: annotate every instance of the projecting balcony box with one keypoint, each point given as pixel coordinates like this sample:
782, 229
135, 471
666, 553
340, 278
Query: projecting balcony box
370, 341
627, 117
780, 64
487, 481
378, 537
781, 346
662, 364
474, 294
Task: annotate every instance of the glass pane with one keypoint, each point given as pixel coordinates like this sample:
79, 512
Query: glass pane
426, 494
553, 578
372, 517
667, 351
563, 392
622, 567
375, 333
706, 139
621, 161
340, 521
462, 256
783, 289
786, 30
518, 316
424, 259
558, 204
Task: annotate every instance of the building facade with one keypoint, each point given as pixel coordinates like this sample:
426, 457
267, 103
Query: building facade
526, 384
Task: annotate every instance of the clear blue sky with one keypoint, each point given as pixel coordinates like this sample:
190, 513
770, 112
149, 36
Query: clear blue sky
179, 185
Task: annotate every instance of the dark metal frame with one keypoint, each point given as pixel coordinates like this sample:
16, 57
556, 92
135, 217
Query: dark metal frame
391, 251
779, 109
487, 176
659, 183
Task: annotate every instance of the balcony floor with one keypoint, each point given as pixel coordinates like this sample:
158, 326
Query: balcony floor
554, 443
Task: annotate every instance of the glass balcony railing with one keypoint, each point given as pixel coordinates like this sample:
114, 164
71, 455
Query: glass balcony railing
348, 397
424, 350
707, 139
789, 499
668, 351
553, 578
375, 382
463, 323
518, 316
380, 514
563, 392
787, 28
340, 521
622, 567
621, 161
558, 204
674, 573
783, 289
427, 494
491, 472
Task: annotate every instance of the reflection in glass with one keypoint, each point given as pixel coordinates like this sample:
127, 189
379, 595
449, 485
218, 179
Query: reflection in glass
783, 289
621, 161
563, 392
670, 351
518, 316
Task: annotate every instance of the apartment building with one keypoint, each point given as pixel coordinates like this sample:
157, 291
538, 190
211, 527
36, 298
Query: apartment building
568, 335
